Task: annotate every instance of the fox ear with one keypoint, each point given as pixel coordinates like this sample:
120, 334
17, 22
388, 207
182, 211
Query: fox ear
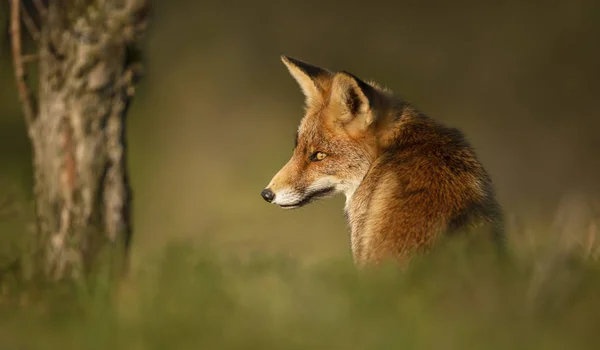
309, 77
356, 100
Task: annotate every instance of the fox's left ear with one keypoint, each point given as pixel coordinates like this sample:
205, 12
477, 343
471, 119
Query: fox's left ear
356, 100
309, 77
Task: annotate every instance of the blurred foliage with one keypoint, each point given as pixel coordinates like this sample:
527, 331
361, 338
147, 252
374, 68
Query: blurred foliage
456, 298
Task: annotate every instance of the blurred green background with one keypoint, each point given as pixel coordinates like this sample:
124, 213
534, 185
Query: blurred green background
215, 116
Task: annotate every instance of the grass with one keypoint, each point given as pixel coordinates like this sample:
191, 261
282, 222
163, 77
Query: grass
196, 297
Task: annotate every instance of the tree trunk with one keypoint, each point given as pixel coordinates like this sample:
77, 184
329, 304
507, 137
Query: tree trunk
86, 80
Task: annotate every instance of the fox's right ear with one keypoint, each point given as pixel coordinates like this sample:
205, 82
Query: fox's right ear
309, 77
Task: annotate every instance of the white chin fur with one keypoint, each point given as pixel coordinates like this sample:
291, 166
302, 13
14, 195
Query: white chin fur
287, 197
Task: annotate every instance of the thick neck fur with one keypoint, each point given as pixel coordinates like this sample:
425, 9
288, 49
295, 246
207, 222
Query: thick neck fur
393, 114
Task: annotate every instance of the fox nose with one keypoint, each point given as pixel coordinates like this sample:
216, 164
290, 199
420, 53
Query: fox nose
267, 195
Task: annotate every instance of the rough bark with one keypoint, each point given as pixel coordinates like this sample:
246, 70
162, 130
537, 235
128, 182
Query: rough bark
86, 82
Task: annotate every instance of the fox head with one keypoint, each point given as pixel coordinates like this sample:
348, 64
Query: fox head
336, 142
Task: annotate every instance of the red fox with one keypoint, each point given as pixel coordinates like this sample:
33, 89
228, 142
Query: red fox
406, 177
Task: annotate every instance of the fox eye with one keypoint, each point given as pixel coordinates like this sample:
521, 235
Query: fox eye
318, 156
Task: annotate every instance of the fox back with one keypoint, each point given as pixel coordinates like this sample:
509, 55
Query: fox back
407, 178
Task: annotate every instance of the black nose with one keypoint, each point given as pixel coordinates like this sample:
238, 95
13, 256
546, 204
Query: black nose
268, 195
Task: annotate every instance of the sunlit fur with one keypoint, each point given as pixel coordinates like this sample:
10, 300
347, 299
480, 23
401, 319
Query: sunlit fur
406, 177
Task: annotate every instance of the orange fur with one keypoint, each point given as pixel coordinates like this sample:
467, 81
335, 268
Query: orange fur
407, 178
